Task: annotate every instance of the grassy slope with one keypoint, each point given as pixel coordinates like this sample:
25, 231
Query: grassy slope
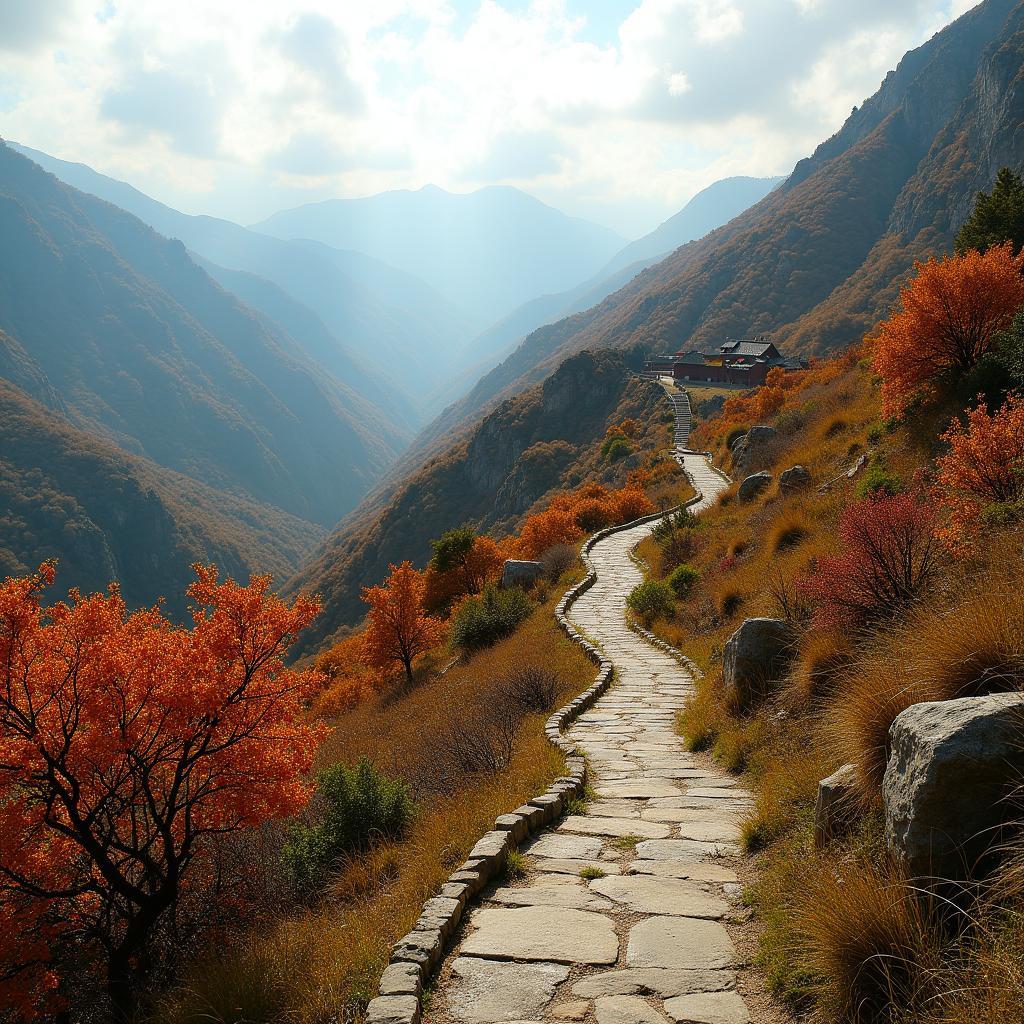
830, 918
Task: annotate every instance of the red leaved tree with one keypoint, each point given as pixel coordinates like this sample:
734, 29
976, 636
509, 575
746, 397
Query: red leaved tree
952, 311
983, 469
397, 629
888, 557
127, 747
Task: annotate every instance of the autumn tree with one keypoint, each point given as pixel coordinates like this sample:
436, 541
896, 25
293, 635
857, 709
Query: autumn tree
997, 216
952, 312
349, 678
547, 529
887, 558
982, 474
397, 629
128, 747
477, 559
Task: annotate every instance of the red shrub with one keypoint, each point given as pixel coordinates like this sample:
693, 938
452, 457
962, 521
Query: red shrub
888, 556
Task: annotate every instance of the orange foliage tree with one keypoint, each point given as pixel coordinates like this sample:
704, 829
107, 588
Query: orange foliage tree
350, 680
547, 529
397, 629
984, 467
127, 747
952, 311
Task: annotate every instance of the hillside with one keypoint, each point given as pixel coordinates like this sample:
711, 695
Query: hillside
545, 439
388, 332
138, 344
107, 515
817, 260
488, 251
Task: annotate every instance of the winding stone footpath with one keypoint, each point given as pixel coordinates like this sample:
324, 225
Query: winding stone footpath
619, 919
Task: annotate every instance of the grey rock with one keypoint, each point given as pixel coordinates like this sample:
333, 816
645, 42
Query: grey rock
393, 1010
679, 942
753, 485
755, 658
795, 478
747, 448
518, 573
626, 1010
401, 979
953, 765
834, 808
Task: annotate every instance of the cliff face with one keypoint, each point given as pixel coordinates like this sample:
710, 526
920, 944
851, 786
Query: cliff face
543, 439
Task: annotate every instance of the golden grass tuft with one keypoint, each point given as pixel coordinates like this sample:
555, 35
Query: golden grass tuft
972, 646
790, 529
818, 670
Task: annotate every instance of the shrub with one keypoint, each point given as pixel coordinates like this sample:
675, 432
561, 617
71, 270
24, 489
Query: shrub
650, 600
877, 480
360, 805
983, 468
789, 531
615, 448
558, 560
888, 559
546, 530
482, 621
734, 435
481, 743
728, 602
683, 579
532, 687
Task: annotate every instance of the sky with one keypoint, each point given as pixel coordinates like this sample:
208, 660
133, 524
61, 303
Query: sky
615, 110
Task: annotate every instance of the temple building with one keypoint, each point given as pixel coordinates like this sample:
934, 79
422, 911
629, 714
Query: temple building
742, 363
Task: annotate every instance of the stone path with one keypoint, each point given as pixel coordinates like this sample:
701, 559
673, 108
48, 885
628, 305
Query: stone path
619, 920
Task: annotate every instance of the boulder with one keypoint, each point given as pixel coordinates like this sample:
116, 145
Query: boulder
834, 810
755, 658
952, 767
753, 485
520, 574
746, 447
795, 478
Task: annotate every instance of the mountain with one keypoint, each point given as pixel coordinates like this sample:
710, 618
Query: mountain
710, 208
816, 262
541, 440
488, 251
820, 259
116, 327
105, 514
391, 336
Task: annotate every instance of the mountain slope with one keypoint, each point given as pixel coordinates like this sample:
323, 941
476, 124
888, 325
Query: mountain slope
391, 333
106, 515
541, 440
710, 208
141, 346
820, 258
488, 251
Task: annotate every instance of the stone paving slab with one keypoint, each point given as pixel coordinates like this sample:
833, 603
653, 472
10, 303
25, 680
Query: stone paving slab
615, 827
555, 934
487, 991
647, 894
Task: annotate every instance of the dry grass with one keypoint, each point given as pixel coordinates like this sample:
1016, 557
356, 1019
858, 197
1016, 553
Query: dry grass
969, 646
321, 964
819, 669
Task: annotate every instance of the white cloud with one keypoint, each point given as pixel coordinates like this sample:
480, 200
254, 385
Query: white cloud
318, 98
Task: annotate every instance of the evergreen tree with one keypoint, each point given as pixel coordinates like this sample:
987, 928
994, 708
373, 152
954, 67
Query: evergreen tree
997, 217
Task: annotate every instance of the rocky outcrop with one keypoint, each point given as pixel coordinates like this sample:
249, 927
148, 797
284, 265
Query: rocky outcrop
747, 448
796, 478
756, 656
952, 767
518, 573
835, 807
754, 485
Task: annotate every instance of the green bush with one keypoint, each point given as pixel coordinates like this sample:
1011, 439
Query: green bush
651, 599
615, 448
361, 805
878, 480
484, 620
683, 579
684, 519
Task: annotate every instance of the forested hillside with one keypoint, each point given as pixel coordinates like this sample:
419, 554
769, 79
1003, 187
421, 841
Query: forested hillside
107, 515
116, 326
548, 438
